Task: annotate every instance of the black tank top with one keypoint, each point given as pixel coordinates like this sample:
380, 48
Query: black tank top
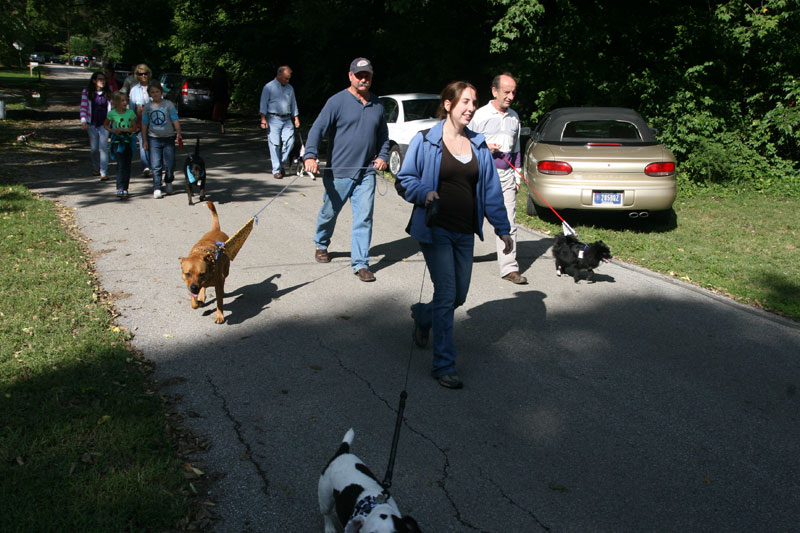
457, 201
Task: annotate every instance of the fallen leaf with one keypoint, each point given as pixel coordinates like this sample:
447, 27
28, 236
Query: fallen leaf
103, 419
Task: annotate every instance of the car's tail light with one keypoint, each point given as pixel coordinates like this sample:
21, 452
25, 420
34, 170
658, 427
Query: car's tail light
554, 168
185, 89
660, 169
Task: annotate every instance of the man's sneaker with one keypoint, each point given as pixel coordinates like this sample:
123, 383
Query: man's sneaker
125, 193
120, 193
169, 188
515, 278
147, 173
158, 194
103, 177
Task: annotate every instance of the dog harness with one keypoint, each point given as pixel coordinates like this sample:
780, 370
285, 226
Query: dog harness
364, 506
220, 248
580, 254
192, 178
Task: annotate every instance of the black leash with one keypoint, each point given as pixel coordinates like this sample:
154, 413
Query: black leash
387, 479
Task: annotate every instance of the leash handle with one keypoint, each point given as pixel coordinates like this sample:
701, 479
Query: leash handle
387, 479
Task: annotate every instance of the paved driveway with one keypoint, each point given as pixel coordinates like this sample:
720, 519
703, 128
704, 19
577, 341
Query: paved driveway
636, 403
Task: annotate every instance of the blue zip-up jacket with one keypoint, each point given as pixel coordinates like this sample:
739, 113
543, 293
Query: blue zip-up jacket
357, 134
420, 174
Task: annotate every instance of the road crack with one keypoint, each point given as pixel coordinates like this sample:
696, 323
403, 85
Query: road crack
442, 481
237, 427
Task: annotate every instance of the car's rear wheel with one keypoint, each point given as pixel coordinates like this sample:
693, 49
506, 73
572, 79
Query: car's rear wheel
532, 208
395, 160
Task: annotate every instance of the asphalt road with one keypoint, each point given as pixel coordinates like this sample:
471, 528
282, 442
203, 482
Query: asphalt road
636, 403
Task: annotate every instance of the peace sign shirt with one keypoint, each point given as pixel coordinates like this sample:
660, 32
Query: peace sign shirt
158, 117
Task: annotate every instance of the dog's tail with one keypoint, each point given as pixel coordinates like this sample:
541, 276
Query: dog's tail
197, 148
214, 217
344, 447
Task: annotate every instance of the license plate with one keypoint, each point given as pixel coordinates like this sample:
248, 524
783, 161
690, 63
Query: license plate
606, 198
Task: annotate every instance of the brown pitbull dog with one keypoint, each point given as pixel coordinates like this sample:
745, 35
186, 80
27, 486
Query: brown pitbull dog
207, 266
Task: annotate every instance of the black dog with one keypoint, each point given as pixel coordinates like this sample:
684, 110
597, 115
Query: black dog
195, 169
569, 252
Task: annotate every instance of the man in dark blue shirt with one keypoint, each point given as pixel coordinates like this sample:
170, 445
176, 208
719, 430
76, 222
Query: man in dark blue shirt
358, 145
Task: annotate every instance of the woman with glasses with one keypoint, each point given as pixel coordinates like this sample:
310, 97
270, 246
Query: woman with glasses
138, 98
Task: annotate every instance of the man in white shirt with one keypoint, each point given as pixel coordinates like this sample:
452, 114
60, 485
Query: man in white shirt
500, 125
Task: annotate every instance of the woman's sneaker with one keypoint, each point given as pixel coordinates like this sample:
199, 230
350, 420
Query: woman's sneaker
450, 381
158, 194
121, 193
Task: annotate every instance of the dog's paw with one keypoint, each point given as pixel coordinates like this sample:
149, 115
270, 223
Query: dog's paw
220, 318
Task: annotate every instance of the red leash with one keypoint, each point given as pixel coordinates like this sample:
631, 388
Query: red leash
563, 222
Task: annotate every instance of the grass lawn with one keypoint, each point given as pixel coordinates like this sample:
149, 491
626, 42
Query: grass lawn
20, 89
83, 440
744, 245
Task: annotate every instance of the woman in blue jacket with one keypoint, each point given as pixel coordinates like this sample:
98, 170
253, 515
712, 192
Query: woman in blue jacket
449, 175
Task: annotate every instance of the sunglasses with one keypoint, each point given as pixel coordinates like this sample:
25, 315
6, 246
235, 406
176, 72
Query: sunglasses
142, 73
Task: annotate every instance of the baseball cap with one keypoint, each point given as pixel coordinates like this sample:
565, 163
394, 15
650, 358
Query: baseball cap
361, 64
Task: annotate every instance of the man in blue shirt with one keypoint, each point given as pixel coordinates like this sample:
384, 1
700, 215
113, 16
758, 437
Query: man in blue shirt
358, 145
278, 109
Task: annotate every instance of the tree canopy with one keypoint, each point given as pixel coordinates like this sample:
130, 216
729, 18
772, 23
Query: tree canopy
718, 79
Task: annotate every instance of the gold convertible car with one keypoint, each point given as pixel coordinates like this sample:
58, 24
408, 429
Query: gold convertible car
599, 158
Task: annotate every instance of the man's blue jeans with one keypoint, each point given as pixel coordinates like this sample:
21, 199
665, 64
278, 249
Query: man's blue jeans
280, 140
162, 157
361, 192
98, 144
449, 260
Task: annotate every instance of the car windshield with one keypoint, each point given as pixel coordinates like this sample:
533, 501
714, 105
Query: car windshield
200, 83
420, 109
600, 130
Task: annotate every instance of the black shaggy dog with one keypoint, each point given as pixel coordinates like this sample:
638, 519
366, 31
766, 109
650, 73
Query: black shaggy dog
195, 169
569, 252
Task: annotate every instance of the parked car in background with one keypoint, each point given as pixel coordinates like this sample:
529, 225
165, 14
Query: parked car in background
406, 114
169, 81
36, 58
192, 95
598, 158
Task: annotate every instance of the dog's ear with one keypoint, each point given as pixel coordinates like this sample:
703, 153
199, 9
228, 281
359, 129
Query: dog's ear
411, 525
354, 525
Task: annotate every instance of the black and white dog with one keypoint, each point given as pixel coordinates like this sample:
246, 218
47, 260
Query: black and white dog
195, 169
350, 495
570, 253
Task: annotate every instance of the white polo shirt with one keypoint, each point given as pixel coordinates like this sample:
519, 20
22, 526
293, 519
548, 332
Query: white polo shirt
501, 128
